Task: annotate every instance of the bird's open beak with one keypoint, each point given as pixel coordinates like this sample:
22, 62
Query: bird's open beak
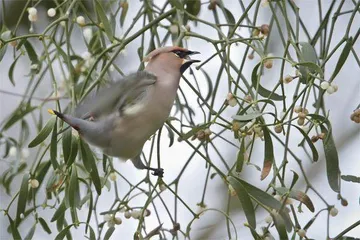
187, 61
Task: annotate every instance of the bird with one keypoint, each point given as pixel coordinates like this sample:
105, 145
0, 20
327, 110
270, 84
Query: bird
120, 118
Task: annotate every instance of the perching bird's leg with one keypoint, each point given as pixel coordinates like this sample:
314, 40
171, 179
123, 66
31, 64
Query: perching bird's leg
140, 165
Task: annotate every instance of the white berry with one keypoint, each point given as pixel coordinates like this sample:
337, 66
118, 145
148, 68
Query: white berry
32, 11
34, 183
112, 176
51, 12
80, 20
330, 90
301, 233
324, 85
33, 18
333, 211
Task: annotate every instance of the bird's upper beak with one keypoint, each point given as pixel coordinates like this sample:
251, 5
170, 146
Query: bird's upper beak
187, 57
187, 61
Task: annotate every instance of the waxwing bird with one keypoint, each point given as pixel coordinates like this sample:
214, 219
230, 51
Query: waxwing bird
127, 113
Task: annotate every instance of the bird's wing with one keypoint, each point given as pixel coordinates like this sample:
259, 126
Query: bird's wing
116, 96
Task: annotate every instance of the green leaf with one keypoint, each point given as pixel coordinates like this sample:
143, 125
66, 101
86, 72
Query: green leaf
269, 153
310, 143
31, 53
104, 20
31, 232
247, 117
193, 6
74, 151
308, 52
124, 10
3, 51
332, 160
14, 231
266, 199
350, 178
344, 55
210, 85
59, 212
44, 133
66, 144
44, 225
63, 233
171, 135
177, 4
23, 194
90, 165
260, 89
92, 233
244, 200
279, 225
11, 71
74, 191
295, 179
108, 233
298, 195
311, 66
86, 155
53, 147
240, 156
17, 115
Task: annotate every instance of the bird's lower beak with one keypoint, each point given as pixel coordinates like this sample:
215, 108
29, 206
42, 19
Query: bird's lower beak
187, 61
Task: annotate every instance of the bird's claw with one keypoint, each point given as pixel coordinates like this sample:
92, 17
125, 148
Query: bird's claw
158, 172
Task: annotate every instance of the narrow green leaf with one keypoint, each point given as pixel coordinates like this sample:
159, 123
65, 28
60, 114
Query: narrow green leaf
31, 232
11, 70
240, 156
311, 66
244, 200
298, 195
86, 155
17, 115
53, 147
344, 55
66, 144
279, 225
177, 4
63, 233
124, 10
247, 117
74, 151
210, 85
44, 133
266, 199
31, 52
44, 225
332, 160
3, 51
350, 178
294, 180
260, 89
74, 191
60, 222
108, 233
95, 178
308, 52
104, 20
59, 212
92, 233
171, 135
23, 194
193, 6
14, 231
310, 143
269, 153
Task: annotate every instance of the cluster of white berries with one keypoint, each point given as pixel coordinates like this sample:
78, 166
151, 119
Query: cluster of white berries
302, 113
202, 135
32, 14
231, 100
329, 87
112, 220
23, 153
136, 214
89, 60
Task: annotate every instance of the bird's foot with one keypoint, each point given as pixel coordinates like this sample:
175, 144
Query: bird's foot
157, 172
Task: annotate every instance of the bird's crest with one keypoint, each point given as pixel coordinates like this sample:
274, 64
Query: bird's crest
161, 50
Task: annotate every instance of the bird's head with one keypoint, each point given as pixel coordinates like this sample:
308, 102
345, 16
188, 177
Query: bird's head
172, 57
